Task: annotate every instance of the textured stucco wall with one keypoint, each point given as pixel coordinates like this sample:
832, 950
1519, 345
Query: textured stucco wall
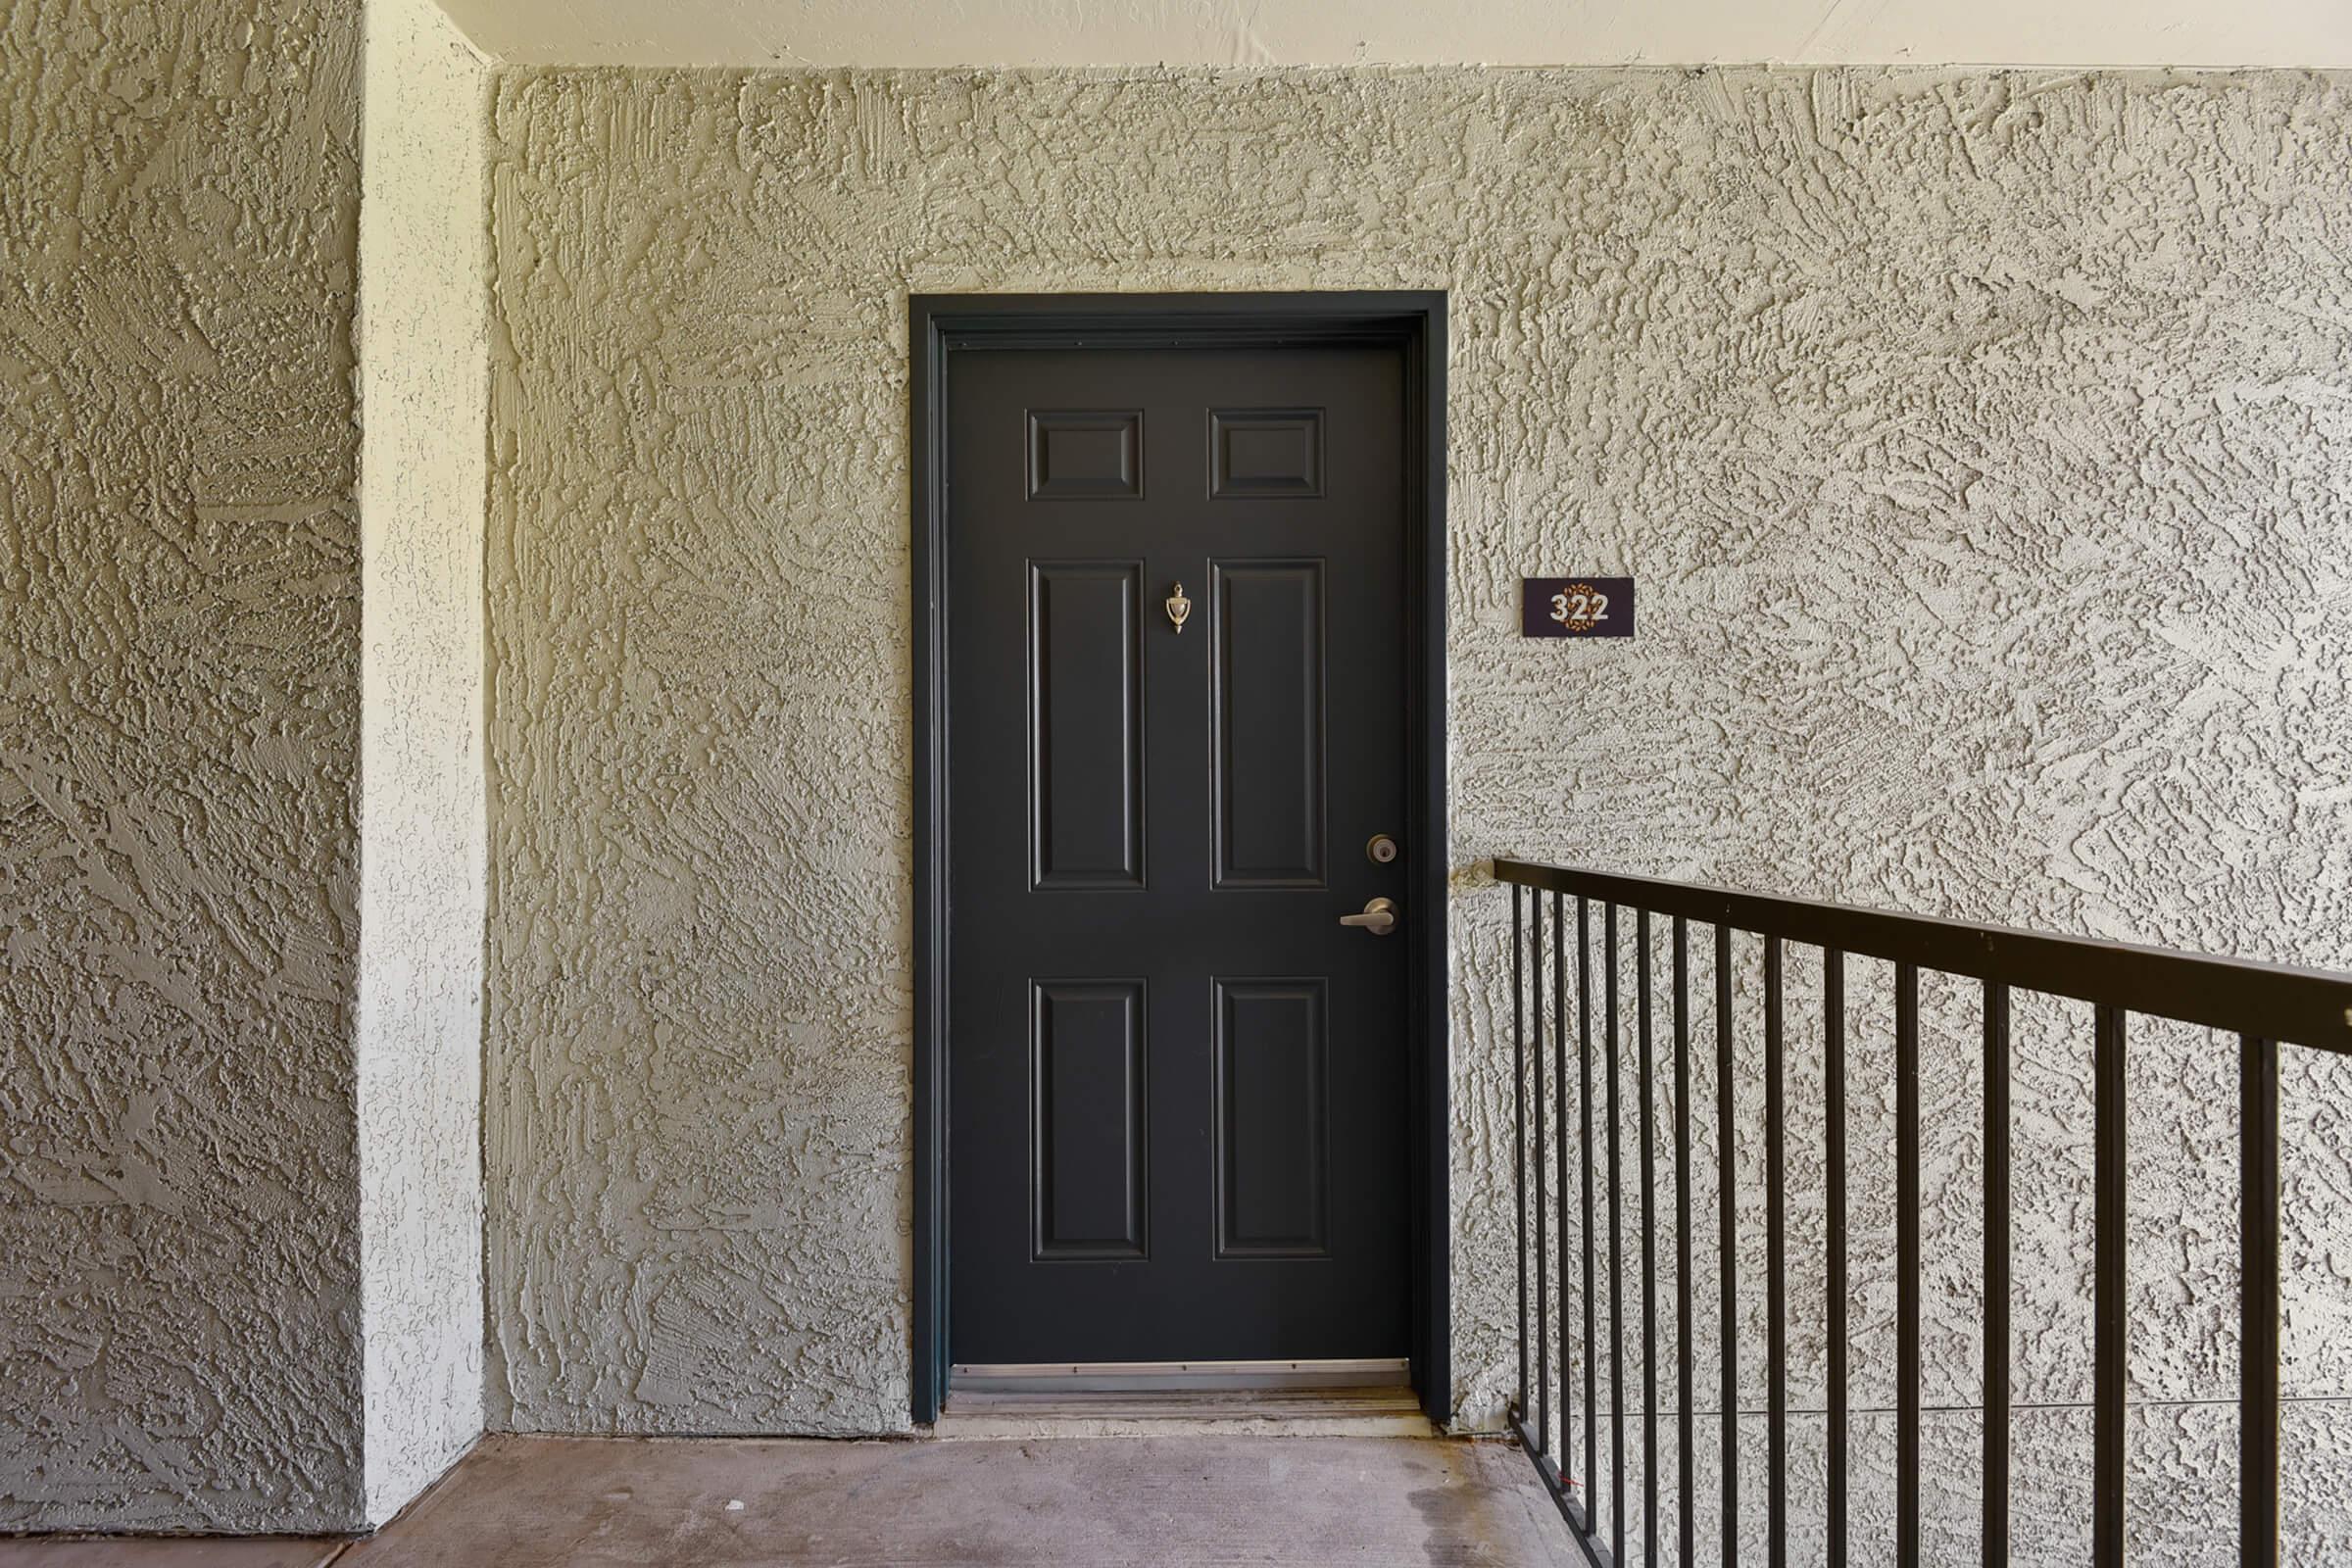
179, 732
425, 390
1982, 443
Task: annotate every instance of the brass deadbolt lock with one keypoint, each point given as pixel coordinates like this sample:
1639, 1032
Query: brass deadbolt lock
1380, 849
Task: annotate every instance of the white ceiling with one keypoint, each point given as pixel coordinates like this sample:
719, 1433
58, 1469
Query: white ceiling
1063, 32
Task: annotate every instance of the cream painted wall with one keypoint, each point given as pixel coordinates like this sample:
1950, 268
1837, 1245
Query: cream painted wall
1318, 33
1981, 441
424, 389
179, 749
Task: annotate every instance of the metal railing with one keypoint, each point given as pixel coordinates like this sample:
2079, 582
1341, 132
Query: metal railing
2263, 1005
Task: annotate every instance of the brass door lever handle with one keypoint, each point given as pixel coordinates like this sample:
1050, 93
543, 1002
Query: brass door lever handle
1379, 917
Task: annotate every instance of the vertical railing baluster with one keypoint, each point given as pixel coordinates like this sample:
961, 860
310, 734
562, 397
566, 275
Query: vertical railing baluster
1543, 1320
1583, 1047
1685, 1517
1541, 1135
1906, 1264
1650, 1247
1776, 1263
1833, 1069
1519, 1121
2109, 1347
1727, 1205
1616, 1249
2258, 1303
1559, 1148
1997, 1275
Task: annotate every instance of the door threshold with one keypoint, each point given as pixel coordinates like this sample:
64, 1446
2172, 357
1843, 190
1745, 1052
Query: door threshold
1150, 1377
1170, 1407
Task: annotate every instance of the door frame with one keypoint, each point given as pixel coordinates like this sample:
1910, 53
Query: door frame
1414, 321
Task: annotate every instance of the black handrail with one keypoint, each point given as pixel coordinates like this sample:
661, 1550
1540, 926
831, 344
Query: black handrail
2263, 1003
2303, 1006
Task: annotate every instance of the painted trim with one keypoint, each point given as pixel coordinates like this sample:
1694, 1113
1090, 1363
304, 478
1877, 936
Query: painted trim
1414, 321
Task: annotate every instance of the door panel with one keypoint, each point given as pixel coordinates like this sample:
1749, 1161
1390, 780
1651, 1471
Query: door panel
1265, 452
1086, 680
1267, 616
1273, 1187
1087, 1060
1086, 455
1176, 1085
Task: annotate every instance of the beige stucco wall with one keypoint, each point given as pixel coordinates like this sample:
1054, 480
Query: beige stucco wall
240, 1283
180, 735
425, 385
1983, 444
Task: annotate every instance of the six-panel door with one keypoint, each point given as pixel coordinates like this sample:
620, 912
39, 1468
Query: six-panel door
1177, 1083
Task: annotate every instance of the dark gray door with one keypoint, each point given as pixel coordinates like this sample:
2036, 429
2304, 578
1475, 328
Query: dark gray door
1176, 1082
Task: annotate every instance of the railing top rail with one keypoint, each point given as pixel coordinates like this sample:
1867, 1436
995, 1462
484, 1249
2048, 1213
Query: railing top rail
2269, 1000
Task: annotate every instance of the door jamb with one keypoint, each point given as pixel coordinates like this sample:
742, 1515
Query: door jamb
1414, 321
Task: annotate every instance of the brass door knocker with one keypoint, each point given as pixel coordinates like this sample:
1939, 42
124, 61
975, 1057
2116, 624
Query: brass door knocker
1179, 609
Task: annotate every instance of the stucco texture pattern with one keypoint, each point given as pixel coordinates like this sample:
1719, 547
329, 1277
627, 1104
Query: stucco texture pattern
179, 1300
424, 307
1979, 441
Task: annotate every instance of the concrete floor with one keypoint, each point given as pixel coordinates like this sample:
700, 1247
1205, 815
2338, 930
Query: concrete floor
1068, 1502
